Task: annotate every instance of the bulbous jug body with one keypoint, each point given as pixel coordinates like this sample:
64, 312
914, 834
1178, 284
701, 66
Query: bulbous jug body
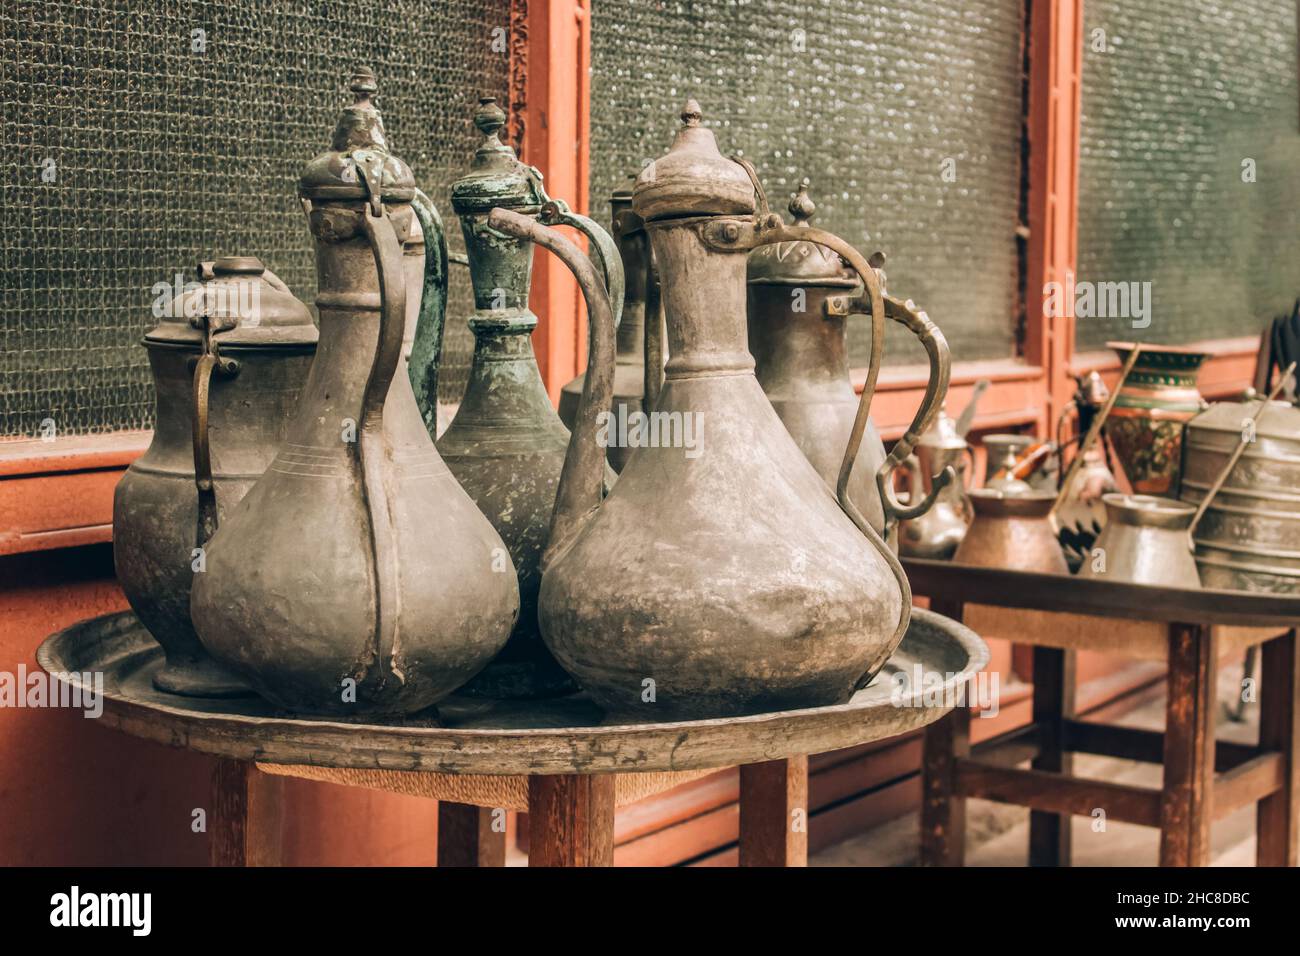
720, 576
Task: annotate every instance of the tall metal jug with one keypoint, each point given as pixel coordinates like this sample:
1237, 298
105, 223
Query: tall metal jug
229, 357
506, 445
752, 589
798, 339
638, 367
357, 576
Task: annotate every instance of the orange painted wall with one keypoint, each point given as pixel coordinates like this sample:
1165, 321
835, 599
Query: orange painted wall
73, 793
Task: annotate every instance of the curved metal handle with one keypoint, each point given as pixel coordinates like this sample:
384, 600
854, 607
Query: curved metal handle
936, 348
387, 250
653, 337
556, 212
426, 348
582, 480
770, 229
210, 361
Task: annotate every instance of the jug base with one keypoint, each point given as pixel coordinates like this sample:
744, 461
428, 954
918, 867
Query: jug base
200, 679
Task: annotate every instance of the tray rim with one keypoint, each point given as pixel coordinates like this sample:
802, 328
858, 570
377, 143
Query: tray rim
617, 748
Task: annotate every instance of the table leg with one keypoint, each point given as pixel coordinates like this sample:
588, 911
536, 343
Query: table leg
470, 836
1053, 704
244, 816
943, 810
774, 813
1277, 817
1186, 803
571, 820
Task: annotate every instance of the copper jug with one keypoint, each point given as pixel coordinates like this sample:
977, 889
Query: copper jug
797, 336
753, 590
357, 577
229, 357
638, 368
506, 445
1012, 531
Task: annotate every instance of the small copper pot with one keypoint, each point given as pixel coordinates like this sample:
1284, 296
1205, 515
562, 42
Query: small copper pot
1013, 532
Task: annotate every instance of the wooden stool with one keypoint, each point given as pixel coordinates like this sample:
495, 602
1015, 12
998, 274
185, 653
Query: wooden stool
1202, 782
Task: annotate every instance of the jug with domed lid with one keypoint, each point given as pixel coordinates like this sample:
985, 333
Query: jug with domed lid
357, 576
753, 588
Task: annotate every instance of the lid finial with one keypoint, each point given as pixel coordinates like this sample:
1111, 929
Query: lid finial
490, 117
691, 114
801, 205
364, 85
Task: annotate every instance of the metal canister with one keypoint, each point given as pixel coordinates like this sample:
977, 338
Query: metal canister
1249, 537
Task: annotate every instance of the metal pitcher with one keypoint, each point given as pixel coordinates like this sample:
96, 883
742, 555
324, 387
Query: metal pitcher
719, 576
357, 577
638, 368
937, 533
1145, 541
797, 330
506, 445
229, 357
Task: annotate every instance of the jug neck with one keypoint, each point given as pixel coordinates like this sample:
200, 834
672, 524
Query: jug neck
505, 384
795, 344
634, 250
500, 268
703, 293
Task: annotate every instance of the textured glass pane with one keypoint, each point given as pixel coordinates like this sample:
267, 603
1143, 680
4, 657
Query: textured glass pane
866, 99
168, 146
1187, 101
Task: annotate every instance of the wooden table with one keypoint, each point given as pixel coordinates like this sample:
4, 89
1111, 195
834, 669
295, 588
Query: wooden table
1202, 781
568, 754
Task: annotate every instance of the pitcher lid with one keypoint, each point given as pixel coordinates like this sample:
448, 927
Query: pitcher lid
943, 433
239, 288
333, 175
692, 178
800, 263
496, 176
1279, 420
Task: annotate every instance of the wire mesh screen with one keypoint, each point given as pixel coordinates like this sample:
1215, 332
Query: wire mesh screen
906, 116
1189, 168
141, 137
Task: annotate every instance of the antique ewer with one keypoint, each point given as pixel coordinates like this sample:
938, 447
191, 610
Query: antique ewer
720, 576
1249, 536
1145, 541
797, 329
1156, 400
357, 577
1012, 531
229, 357
937, 533
640, 331
506, 445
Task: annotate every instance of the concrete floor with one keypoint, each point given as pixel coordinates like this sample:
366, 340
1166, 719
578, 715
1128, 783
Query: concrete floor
998, 835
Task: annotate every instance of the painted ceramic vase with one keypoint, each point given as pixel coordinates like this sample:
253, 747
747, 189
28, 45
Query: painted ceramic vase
1154, 405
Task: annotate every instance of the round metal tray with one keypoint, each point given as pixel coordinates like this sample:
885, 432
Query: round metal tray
474, 736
